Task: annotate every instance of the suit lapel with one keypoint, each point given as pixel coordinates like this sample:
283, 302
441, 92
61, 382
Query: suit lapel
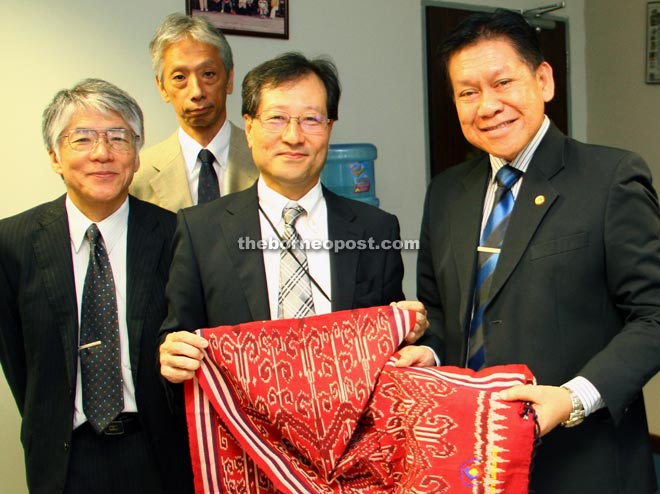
528, 213
52, 250
171, 183
141, 263
344, 263
465, 217
240, 219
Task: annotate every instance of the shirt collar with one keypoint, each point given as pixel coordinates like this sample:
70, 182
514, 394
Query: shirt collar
524, 157
273, 202
219, 146
111, 228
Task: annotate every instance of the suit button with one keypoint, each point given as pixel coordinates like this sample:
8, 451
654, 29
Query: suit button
67, 445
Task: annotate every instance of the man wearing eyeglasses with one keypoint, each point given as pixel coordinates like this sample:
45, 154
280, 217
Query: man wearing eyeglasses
207, 156
290, 105
82, 282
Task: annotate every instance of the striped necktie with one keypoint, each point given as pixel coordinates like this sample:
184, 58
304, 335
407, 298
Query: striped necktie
102, 385
207, 187
295, 297
488, 254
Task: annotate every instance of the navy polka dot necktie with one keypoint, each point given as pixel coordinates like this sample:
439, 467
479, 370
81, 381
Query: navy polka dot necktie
100, 363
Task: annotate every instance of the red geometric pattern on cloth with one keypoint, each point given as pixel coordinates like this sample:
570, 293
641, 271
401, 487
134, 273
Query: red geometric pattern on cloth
316, 405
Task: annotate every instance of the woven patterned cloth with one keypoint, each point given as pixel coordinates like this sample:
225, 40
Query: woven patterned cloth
316, 405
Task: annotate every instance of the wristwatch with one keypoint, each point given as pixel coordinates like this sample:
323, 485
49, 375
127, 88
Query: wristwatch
577, 414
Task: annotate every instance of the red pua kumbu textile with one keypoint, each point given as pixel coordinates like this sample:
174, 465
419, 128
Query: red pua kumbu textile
316, 405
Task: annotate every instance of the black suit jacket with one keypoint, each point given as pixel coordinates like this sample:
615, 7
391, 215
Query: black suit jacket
213, 282
576, 292
39, 337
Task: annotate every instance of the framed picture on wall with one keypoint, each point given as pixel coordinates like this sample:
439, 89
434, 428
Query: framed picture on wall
265, 18
652, 42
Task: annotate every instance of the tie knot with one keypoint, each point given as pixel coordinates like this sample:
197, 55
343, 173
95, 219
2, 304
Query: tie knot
507, 176
291, 212
206, 157
93, 234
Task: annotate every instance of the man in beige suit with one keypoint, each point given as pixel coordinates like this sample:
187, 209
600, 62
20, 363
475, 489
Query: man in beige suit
207, 156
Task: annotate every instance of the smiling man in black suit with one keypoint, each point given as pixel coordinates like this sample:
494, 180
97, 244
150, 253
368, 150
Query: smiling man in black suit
62, 339
290, 105
562, 274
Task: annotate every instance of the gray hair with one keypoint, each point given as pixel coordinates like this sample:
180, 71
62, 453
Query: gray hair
177, 27
90, 94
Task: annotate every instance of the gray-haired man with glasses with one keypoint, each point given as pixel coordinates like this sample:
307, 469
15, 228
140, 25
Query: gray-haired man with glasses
82, 282
290, 105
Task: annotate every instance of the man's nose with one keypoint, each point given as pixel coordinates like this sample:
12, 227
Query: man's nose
293, 131
489, 103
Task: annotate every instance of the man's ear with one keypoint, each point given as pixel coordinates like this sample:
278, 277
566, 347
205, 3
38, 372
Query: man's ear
161, 89
55, 162
546, 81
230, 82
248, 129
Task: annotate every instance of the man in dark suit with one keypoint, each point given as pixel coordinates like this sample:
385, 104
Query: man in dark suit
220, 275
575, 292
93, 133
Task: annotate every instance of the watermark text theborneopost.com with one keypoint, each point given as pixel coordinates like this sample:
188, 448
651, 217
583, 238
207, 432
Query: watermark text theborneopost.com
247, 243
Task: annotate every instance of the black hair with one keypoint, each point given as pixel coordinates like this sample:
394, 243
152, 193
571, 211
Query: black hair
500, 23
290, 67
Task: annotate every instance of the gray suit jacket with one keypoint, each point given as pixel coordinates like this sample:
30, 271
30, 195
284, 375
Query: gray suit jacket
576, 292
39, 337
162, 178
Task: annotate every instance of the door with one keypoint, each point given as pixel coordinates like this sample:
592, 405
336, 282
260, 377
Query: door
447, 146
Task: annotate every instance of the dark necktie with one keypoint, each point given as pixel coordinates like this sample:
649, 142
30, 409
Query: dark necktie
295, 298
207, 187
102, 384
488, 254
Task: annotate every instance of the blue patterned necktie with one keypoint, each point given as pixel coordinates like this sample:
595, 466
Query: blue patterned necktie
295, 297
102, 385
488, 254
207, 187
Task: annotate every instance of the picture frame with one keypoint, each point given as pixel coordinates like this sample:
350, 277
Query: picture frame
652, 43
245, 17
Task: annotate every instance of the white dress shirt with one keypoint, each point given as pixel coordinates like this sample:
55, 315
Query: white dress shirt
311, 226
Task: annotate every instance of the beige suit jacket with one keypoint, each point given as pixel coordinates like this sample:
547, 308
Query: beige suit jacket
162, 178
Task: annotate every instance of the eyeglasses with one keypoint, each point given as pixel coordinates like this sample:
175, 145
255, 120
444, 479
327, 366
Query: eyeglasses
277, 121
120, 140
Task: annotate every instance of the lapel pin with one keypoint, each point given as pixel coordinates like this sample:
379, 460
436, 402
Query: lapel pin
538, 200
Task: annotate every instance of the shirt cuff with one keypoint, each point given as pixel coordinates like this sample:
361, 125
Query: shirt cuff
435, 355
588, 394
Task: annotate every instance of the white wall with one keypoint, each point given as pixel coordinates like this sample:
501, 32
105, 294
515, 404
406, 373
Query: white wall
378, 46
623, 110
